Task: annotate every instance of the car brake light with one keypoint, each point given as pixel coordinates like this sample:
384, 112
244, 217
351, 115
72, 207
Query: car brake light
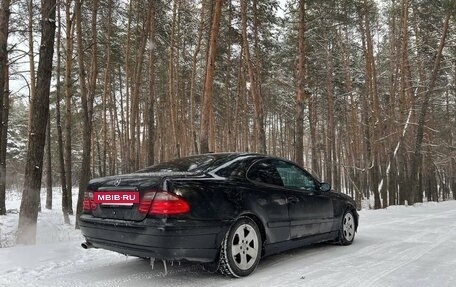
166, 203
88, 204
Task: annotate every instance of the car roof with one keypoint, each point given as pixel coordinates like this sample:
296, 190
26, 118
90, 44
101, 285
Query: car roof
222, 154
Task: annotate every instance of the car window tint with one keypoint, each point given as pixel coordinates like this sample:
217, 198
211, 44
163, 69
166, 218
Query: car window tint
235, 168
264, 172
293, 177
186, 164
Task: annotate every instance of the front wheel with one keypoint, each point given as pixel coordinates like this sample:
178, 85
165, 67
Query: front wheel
347, 230
241, 249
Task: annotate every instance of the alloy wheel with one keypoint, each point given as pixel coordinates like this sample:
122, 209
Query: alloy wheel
348, 227
244, 250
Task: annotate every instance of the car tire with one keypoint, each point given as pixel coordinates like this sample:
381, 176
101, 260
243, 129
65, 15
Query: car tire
347, 229
241, 249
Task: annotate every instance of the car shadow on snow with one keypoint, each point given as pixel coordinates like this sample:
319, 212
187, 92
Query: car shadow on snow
184, 269
173, 268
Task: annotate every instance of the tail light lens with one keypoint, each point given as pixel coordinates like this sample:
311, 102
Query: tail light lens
168, 203
146, 201
88, 205
163, 203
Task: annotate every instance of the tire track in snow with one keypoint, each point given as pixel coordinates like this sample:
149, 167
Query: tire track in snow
405, 258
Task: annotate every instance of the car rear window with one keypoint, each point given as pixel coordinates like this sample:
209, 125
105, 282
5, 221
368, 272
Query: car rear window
185, 164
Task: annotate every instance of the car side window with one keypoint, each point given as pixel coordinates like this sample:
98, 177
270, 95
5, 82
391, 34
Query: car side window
264, 172
234, 169
294, 177
237, 168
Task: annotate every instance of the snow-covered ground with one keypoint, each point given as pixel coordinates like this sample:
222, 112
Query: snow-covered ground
398, 246
51, 227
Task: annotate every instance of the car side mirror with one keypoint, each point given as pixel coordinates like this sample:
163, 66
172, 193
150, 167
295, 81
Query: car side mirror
324, 186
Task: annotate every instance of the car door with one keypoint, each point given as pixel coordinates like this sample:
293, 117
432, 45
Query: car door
270, 199
310, 210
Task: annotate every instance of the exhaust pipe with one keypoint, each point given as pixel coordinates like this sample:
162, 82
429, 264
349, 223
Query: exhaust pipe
86, 245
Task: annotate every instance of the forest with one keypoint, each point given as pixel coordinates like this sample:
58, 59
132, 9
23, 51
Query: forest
362, 93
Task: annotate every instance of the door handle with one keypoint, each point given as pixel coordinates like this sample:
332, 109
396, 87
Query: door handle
292, 199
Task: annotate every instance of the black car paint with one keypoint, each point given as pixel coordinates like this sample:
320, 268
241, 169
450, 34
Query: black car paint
217, 199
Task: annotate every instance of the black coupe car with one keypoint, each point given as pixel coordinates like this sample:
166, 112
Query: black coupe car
226, 210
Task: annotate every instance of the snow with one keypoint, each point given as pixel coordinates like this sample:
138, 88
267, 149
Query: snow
397, 246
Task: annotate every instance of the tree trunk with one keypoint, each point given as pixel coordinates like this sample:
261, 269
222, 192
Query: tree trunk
375, 108
370, 103
26, 233
258, 101
392, 182
313, 134
3, 142
106, 94
172, 98
405, 95
126, 167
113, 114
61, 161
208, 83
416, 193
228, 136
4, 96
60, 146
150, 109
48, 166
301, 81
135, 116
260, 137
453, 178
87, 98
31, 54
330, 139
68, 108
193, 80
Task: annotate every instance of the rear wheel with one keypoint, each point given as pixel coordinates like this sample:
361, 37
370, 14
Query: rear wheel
347, 230
241, 249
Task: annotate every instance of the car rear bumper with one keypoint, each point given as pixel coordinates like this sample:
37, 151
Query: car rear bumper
167, 239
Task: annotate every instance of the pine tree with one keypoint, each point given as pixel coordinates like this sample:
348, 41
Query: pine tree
39, 118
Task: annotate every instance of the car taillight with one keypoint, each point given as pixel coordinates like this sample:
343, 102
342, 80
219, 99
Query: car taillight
166, 203
146, 201
163, 203
88, 204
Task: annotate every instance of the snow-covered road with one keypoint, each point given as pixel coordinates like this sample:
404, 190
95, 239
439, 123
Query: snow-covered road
399, 246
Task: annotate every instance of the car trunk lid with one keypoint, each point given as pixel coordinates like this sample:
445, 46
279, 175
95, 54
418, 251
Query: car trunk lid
144, 185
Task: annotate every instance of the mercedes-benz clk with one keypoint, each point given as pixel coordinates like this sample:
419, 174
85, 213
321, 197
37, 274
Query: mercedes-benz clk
225, 210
